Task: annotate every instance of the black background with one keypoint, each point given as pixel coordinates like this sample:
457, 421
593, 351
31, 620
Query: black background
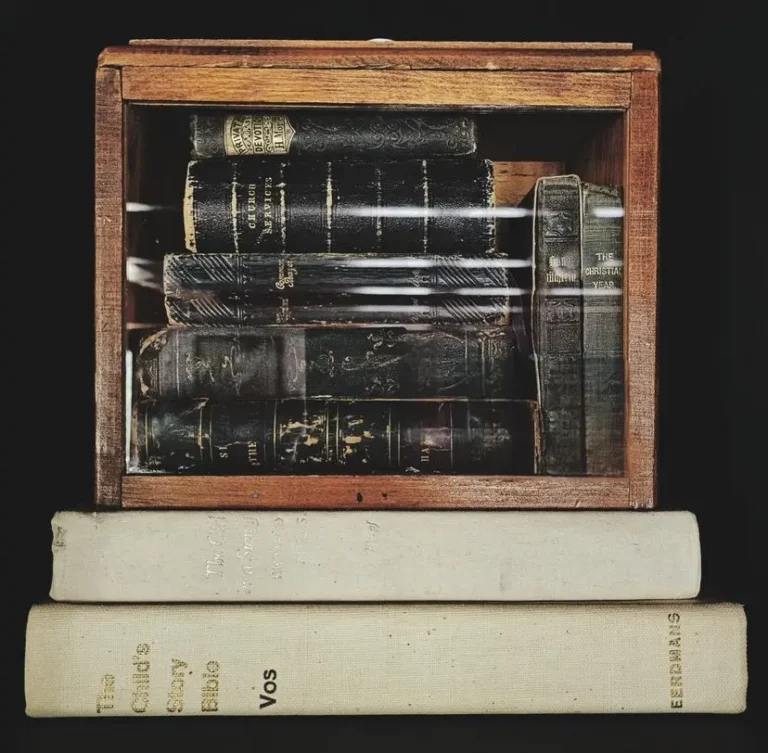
712, 328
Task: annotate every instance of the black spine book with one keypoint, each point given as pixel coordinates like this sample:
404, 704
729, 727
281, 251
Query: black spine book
556, 311
404, 207
335, 436
602, 277
258, 289
366, 362
331, 135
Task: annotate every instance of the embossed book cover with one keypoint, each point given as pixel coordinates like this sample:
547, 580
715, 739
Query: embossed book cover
332, 135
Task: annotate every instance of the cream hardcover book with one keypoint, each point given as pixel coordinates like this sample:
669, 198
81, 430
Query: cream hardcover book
192, 556
417, 658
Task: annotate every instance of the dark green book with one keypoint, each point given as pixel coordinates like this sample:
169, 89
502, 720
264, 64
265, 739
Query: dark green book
322, 362
335, 436
602, 272
557, 326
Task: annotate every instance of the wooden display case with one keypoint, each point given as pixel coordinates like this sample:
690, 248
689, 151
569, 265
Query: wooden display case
543, 109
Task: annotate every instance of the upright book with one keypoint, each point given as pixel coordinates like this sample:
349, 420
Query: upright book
577, 324
456, 658
358, 555
556, 321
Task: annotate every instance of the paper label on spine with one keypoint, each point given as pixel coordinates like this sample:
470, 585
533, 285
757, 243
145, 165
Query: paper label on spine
257, 134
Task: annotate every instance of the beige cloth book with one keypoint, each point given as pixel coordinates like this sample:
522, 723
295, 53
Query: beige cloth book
374, 556
250, 659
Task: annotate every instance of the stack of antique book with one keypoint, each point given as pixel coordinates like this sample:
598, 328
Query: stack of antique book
399, 348
353, 299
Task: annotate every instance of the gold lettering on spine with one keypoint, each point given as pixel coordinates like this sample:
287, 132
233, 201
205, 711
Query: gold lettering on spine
214, 566
283, 209
233, 209
140, 679
245, 556
257, 134
268, 227
251, 204
557, 271
254, 454
105, 701
260, 135
675, 659
379, 201
284, 313
234, 128
286, 273
209, 702
610, 267
553, 277
175, 702
276, 567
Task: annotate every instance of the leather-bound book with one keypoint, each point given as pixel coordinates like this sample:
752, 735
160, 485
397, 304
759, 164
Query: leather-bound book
322, 362
335, 436
404, 207
332, 135
264, 288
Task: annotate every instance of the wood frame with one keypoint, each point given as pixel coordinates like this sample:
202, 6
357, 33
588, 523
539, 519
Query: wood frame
602, 77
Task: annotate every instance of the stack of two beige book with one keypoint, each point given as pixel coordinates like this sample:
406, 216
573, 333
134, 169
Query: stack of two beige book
388, 612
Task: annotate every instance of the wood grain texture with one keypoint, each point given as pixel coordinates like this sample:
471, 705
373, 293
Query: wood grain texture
323, 44
513, 180
379, 492
109, 387
641, 228
375, 87
602, 158
382, 57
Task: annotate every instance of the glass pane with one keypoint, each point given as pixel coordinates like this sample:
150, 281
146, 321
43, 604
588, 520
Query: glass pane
374, 292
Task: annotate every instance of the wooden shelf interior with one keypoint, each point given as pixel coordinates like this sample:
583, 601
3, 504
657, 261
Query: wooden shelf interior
524, 145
